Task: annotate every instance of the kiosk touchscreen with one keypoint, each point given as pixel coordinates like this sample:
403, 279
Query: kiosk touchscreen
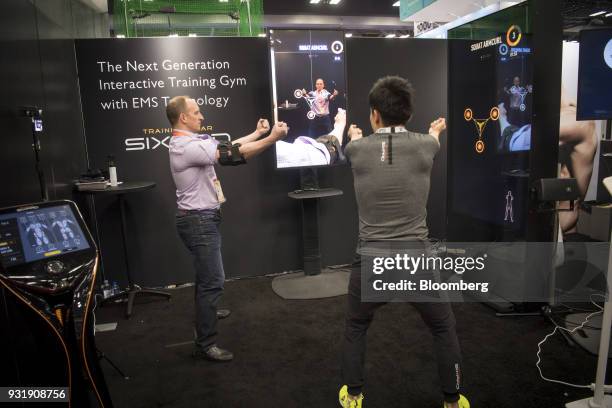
48, 265
45, 246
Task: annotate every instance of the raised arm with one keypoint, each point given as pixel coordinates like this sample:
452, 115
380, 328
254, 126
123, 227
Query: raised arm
252, 149
437, 127
263, 127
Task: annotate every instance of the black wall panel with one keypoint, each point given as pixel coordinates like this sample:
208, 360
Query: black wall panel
39, 69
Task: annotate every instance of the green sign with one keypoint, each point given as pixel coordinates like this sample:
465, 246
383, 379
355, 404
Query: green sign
409, 7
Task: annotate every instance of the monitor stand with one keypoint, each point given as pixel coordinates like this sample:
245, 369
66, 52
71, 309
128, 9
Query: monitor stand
314, 282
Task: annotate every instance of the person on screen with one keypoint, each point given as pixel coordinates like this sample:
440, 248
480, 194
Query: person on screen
517, 94
199, 198
306, 151
392, 188
321, 124
577, 148
513, 138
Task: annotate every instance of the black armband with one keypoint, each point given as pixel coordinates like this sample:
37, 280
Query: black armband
229, 154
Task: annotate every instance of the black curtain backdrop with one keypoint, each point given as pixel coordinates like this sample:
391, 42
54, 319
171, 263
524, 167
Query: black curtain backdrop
424, 64
38, 69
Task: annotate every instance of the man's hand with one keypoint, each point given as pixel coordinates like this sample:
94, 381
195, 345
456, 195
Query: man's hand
263, 127
354, 133
335, 92
279, 131
437, 127
304, 92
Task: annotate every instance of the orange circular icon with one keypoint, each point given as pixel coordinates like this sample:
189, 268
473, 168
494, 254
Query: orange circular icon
494, 114
480, 146
468, 115
514, 35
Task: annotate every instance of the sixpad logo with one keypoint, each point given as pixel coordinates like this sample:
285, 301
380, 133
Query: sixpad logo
159, 138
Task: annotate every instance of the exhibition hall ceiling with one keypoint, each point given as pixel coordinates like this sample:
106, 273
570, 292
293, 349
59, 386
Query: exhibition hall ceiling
344, 8
577, 13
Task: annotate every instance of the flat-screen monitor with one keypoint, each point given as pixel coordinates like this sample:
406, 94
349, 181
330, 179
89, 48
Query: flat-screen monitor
490, 122
595, 75
309, 88
34, 233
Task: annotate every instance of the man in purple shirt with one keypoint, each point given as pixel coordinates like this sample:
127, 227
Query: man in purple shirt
199, 197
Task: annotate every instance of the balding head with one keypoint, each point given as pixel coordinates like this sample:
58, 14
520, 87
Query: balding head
175, 107
184, 113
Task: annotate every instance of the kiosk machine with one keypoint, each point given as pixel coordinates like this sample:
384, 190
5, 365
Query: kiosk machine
48, 269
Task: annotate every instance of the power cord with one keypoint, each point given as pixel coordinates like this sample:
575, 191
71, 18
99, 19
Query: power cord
575, 329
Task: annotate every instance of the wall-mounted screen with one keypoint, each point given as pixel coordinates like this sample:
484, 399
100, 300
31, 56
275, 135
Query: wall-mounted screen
595, 75
310, 88
490, 104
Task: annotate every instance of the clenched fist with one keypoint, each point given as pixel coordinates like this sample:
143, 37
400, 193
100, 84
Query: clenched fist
354, 133
280, 130
437, 127
263, 127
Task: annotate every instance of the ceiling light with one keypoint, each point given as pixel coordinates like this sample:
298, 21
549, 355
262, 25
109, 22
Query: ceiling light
599, 13
223, 1
348, 35
262, 35
334, 1
193, 35
609, 15
315, 1
390, 36
405, 36
120, 36
173, 35
396, 4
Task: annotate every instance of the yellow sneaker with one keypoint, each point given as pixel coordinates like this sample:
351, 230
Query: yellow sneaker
463, 402
346, 402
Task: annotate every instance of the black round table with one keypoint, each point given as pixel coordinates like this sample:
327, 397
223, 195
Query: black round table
121, 190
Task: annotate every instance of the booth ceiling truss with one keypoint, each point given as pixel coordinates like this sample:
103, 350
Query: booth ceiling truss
155, 18
577, 13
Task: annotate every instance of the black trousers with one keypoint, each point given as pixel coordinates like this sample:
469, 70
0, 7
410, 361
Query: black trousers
438, 317
319, 126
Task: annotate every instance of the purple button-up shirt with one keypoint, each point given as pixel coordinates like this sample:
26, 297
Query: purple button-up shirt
192, 160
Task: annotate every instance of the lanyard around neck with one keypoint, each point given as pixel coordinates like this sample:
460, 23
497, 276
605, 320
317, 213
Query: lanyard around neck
392, 129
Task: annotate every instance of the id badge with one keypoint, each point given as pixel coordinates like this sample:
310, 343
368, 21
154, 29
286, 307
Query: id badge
219, 190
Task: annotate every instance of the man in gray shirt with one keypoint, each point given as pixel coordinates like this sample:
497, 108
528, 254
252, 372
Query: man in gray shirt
391, 171
199, 197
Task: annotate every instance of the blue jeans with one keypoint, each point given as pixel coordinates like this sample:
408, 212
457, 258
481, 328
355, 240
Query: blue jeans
199, 231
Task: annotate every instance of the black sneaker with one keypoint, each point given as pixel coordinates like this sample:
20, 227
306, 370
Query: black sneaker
213, 353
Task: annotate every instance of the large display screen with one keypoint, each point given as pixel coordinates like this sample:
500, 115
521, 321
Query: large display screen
39, 233
595, 75
490, 103
310, 87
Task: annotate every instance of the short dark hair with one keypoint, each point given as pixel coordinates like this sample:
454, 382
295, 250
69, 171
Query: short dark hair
391, 96
175, 107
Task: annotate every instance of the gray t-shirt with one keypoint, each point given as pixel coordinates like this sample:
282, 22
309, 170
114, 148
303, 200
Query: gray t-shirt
391, 173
